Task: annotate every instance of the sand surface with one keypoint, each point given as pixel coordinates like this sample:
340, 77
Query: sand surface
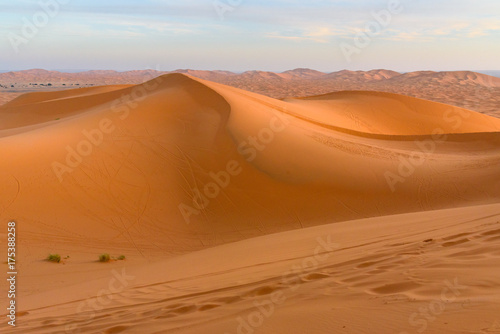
350, 212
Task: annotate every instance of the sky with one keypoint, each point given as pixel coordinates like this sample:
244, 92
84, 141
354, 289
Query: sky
240, 35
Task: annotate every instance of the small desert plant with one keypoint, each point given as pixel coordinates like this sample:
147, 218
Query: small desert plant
121, 258
54, 258
104, 257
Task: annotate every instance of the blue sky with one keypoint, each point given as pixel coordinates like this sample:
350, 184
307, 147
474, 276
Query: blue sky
273, 35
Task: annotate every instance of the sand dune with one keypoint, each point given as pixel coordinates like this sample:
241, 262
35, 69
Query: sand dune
393, 114
173, 166
447, 77
465, 89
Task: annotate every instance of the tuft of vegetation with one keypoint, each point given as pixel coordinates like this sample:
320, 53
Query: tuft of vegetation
54, 258
121, 258
104, 257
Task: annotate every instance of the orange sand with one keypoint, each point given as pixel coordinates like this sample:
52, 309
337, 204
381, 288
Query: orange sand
342, 213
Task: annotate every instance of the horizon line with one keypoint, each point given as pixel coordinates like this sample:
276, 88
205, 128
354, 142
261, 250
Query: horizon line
73, 71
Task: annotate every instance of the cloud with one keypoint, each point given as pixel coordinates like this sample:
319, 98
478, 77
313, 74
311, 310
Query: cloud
315, 34
184, 26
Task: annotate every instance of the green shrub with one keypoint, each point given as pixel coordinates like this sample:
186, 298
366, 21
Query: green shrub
54, 258
104, 257
121, 257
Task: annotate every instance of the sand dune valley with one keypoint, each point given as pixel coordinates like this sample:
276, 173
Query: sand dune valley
361, 202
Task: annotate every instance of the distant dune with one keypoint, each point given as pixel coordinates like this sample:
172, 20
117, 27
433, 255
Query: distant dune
465, 89
214, 193
138, 76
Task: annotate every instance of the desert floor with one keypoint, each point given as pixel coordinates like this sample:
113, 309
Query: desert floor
349, 212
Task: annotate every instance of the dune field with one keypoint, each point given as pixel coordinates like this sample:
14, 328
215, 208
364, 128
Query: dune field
465, 89
347, 212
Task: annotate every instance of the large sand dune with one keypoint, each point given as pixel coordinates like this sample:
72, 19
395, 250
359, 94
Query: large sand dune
173, 166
